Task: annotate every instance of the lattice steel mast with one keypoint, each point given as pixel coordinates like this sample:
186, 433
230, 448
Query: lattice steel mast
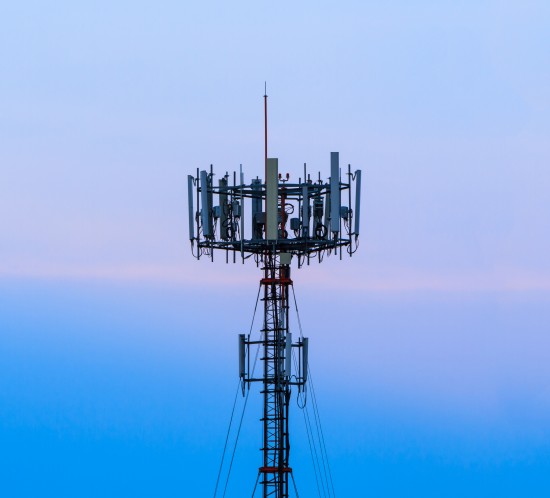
276, 389
322, 226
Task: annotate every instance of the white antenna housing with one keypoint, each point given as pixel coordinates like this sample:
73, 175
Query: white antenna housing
206, 211
334, 192
271, 198
191, 212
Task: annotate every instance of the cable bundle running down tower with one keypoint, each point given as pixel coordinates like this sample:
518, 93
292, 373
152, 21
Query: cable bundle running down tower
274, 221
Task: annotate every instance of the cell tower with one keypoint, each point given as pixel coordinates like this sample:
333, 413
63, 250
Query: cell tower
274, 221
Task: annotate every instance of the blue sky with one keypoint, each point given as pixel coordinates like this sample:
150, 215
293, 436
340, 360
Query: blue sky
432, 367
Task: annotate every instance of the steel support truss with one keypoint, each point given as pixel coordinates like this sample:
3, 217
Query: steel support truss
277, 379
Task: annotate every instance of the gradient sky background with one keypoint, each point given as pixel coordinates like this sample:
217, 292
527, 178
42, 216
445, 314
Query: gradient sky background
430, 348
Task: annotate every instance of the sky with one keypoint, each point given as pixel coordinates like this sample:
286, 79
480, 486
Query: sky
430, 348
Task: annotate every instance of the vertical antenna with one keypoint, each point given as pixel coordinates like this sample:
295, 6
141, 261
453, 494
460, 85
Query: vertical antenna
265, 129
